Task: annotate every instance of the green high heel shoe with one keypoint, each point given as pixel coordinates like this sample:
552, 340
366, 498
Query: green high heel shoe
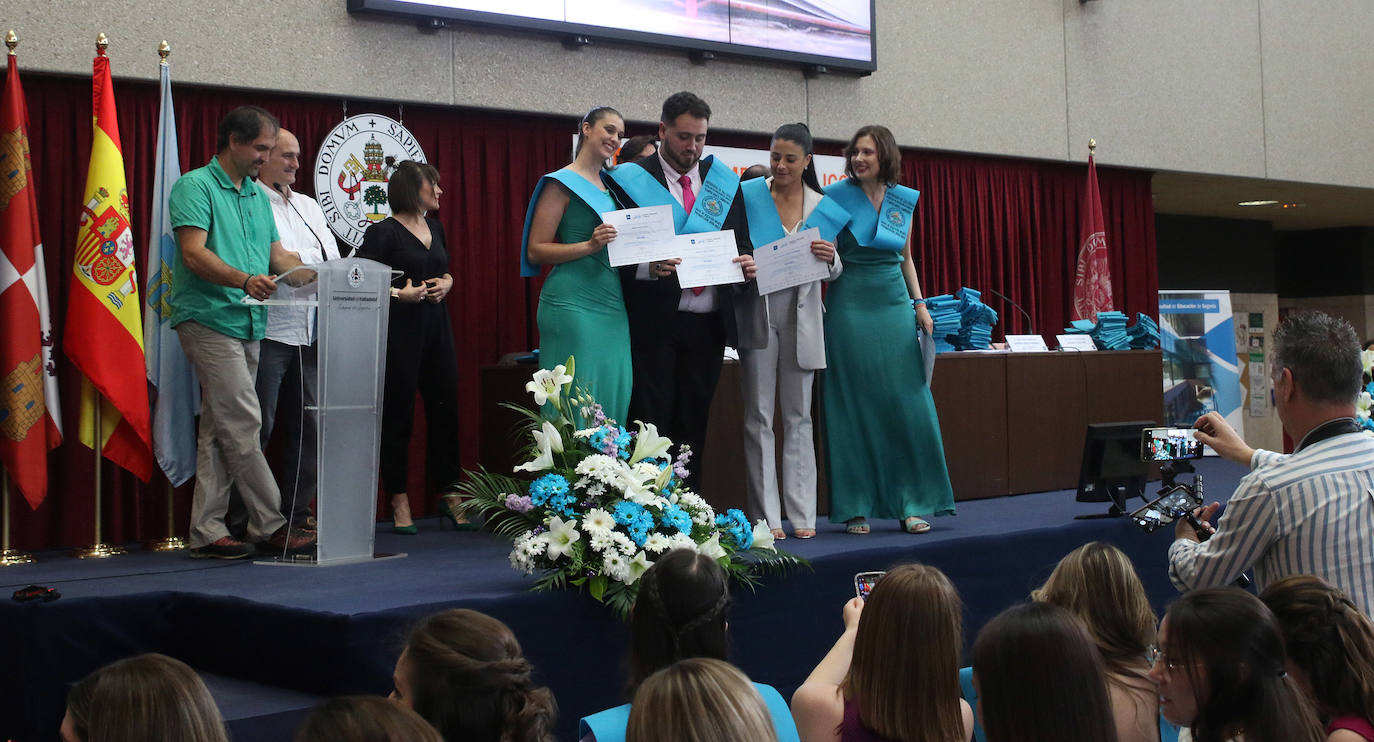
448, 510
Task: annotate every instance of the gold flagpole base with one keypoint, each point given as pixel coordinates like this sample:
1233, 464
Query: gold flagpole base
171, 543
99, 551
10, 558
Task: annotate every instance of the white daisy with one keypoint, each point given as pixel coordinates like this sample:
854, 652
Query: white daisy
623, 543
600, 467
681, 541
657, 543
597, 522
616, 566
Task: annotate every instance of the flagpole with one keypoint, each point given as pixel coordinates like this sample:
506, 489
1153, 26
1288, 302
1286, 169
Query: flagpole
99, 549
8, 556
172, 542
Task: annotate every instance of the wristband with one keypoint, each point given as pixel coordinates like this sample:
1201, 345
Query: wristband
245, 284
917, 300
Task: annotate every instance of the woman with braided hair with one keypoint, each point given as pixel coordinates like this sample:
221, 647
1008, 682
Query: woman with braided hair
465, 674
680, 614
1330, 653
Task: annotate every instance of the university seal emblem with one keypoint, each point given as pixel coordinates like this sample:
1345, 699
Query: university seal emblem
353, 167
896, 217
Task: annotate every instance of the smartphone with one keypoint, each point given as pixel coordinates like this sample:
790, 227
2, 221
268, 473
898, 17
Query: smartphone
1169, 444
1165, 509
864, 582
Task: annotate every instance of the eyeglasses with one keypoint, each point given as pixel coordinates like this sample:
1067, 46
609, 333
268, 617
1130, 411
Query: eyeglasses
1156, 655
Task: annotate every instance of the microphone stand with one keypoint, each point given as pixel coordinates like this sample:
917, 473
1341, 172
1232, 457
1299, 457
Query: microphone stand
286, 196
1030, 324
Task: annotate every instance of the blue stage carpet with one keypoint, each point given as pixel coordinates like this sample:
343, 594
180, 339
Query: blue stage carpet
326, 631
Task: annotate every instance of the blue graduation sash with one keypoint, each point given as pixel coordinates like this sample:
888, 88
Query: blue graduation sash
712, 205
885, 229
579, 185
765, 225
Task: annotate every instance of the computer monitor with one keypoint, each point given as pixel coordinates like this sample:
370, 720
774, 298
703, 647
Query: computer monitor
1112, 470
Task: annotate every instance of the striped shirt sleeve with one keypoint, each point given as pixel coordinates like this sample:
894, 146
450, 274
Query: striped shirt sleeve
1244, 532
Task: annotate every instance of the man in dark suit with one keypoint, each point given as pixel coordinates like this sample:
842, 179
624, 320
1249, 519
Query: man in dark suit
678, 336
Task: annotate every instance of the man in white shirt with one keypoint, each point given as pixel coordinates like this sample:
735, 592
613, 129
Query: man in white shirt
287, 366
1308, 512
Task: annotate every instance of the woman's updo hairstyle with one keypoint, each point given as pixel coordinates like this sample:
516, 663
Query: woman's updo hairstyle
470, 680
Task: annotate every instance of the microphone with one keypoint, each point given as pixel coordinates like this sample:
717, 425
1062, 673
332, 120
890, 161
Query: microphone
279, 188
1030, 324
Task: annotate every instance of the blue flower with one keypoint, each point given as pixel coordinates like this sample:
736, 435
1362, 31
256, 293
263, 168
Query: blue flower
675, 517
546, 487
628, 512
736, 526
562, 504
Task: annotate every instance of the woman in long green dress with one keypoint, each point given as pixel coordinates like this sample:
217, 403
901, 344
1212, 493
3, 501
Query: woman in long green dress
581, 308
885, 456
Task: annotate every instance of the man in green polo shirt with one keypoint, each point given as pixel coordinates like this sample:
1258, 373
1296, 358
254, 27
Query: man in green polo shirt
228, 248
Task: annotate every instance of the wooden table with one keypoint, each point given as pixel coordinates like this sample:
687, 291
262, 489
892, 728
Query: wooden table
1011, 422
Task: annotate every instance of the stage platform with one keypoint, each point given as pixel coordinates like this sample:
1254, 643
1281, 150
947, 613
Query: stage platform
273, 639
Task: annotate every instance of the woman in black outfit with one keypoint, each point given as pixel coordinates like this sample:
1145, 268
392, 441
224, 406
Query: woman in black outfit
419, 353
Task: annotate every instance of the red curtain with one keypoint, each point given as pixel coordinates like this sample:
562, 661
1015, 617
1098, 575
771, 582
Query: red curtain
984, 223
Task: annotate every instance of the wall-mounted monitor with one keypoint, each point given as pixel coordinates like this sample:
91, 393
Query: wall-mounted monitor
835, 34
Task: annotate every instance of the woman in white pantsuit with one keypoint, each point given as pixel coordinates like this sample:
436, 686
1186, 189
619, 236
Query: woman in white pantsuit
781, 341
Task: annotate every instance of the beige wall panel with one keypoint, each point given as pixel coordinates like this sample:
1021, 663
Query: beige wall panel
969, 76
1319, 90
531, 72
311, 46
1168, 84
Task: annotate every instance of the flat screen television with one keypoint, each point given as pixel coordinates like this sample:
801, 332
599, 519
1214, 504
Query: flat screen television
836, 34
1112, 470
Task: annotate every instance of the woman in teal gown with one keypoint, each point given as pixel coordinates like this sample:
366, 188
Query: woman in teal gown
581, 309
885, 456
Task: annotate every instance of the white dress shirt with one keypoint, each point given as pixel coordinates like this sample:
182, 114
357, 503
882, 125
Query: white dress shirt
705, 303
302, 234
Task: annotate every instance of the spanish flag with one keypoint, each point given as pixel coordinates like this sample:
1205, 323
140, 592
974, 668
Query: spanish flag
30, 424
104, 330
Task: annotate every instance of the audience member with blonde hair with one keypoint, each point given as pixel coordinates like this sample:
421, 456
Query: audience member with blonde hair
365, 719
464, 673
679, 614
699, 700
1039, 677
894, 673
1330, 646
148, 697
1098, 584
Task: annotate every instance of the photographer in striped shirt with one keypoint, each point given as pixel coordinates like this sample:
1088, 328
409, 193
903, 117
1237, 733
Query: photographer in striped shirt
1308, 512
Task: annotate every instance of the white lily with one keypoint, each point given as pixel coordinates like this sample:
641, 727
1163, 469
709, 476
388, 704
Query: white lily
548, 383
549, 442
661, 480
763, 535
1363, 404
711, 547
635, 486
649, 444
638, 566
561, 536
1367, 360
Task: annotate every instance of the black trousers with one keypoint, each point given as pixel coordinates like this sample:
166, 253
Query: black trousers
675, 374
420, 358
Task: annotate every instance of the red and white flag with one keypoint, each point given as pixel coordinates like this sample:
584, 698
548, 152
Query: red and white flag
30, 422
1092, 282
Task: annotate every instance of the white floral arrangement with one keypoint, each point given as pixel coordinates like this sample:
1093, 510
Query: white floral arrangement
597, 504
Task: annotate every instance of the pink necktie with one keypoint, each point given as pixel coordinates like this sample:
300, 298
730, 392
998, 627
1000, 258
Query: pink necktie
689, 200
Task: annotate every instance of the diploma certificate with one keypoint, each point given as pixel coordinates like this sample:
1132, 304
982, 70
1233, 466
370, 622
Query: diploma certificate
641, 235
707, 259
788, 262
